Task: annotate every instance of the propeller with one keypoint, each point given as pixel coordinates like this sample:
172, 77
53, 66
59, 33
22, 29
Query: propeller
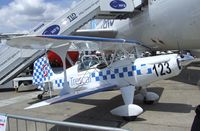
180, 51
185, 59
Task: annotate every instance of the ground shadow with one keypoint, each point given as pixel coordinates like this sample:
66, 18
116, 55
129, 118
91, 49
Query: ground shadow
166, 107
36, 100
189, 75
169, 107
7, 90
100, 114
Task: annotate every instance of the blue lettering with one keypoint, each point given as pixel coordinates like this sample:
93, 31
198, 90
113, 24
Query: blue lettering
107, 24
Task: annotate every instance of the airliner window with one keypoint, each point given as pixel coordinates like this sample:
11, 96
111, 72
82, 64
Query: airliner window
87, 62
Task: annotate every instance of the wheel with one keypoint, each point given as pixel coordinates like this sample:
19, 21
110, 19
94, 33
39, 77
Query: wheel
148, 102
40, 96
129, 118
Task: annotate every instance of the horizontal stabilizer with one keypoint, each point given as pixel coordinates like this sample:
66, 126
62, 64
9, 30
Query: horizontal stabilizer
71, 96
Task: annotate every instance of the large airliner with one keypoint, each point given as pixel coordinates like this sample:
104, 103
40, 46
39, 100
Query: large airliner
160, 24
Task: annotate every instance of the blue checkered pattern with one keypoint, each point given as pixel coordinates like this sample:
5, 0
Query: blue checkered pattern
144, 70
113, 74
42, 71
59, 82
120, 72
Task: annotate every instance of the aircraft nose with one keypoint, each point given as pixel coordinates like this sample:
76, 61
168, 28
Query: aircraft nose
185, 59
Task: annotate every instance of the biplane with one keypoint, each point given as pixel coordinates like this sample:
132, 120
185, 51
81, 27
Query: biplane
119, 66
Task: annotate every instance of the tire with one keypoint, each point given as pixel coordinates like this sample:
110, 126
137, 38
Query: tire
40, 96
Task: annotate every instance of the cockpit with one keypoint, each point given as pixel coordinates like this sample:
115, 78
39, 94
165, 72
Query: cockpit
88, 61
100, 60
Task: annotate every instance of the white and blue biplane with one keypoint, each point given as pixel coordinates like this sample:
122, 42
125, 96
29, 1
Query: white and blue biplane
129, 73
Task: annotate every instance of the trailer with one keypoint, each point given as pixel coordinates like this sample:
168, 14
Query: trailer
23, 83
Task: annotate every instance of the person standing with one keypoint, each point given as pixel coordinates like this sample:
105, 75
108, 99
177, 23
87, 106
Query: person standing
196, 122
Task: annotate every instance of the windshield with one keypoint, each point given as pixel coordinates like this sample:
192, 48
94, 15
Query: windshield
87, 61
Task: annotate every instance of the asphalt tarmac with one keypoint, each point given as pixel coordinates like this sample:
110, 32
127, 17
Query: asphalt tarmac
173, 112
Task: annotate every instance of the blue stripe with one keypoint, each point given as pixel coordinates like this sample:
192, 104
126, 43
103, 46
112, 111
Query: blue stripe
84, 38
85, 94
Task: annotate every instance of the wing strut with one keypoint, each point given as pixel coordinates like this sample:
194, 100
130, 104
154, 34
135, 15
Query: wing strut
62, 51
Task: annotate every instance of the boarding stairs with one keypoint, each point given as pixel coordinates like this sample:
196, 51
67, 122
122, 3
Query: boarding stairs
87, 10
13, 61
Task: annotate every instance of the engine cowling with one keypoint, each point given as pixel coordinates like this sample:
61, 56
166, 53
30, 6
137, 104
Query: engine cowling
156, 68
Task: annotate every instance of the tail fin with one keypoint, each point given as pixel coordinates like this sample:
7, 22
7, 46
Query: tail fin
42, 71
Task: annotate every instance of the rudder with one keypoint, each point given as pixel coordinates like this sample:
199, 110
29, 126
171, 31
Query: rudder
42, 71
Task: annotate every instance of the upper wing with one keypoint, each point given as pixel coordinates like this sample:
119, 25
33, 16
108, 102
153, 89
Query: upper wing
80, 42
73, 95
105, 33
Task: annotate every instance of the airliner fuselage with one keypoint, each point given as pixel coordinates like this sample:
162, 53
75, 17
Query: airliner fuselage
164, 24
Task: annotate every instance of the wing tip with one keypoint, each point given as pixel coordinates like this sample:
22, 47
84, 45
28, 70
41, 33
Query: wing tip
40, 104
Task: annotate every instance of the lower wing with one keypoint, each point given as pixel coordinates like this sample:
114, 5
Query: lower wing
73, 95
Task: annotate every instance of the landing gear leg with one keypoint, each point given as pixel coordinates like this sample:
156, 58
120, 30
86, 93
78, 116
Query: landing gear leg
129, 111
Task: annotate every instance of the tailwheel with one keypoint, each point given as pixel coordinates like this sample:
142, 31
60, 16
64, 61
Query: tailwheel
130, 118
40, 96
